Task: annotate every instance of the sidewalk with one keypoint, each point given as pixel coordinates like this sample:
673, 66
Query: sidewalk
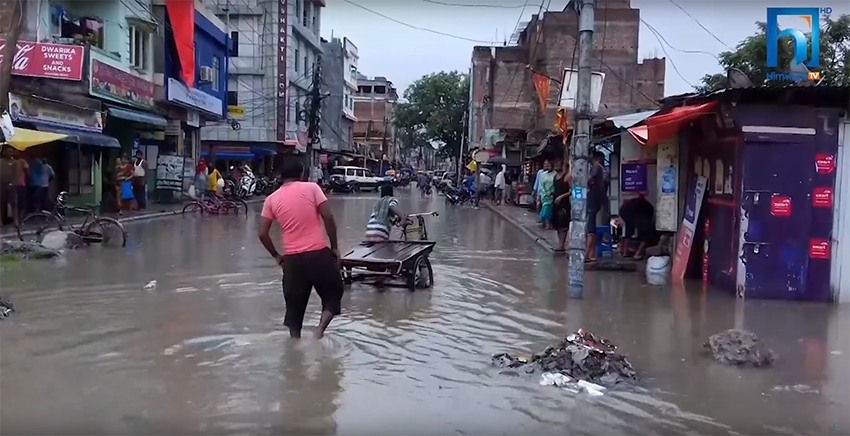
154, 210
526, 221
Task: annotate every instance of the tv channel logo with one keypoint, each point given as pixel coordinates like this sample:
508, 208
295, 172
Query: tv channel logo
801, 52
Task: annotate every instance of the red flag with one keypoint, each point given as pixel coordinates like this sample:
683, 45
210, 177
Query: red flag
181, 14
541, 83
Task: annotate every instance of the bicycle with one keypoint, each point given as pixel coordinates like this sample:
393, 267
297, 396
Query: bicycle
93, 229
212, 205
408, 228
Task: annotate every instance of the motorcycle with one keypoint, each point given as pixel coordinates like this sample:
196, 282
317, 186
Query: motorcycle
247, 184
267, 185
338, 184
459, 196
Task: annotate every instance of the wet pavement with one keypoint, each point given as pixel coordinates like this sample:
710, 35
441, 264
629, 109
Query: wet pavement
90, 351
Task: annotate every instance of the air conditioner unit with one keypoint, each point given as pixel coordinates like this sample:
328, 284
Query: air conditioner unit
206, 74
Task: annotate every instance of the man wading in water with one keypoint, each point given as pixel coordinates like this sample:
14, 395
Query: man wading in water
300, 208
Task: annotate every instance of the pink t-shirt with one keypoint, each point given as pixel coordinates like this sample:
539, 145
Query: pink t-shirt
295, 206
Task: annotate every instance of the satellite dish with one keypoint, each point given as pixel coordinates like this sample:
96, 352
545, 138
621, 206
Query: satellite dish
736, 78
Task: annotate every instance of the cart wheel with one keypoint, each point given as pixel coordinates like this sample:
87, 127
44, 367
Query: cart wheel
422, 275
346, 276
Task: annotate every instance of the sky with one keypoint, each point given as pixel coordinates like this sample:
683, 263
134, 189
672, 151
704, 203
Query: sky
402, 53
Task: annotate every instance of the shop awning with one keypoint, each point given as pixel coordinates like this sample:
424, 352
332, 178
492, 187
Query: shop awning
231, 155
629, 120
262, 151
137, 116
26, 138
663, 126
80, 136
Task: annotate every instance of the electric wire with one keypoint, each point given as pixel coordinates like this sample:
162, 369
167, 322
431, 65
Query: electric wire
700, 25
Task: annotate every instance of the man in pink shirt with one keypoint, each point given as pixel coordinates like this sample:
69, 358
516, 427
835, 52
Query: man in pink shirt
300, 208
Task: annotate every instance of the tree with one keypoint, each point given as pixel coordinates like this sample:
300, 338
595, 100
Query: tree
434, 112
751, 53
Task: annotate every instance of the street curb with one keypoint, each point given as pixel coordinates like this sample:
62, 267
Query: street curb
128, 219
540, 241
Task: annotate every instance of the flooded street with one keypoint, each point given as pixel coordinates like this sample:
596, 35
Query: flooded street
91, 352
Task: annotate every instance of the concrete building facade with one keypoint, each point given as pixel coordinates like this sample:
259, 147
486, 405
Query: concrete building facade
503, 95
339, 60
374, 108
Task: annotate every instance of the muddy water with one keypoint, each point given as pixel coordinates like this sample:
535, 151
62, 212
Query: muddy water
205, 352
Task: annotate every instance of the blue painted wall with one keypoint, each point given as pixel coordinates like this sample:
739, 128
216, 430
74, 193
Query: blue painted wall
210, 43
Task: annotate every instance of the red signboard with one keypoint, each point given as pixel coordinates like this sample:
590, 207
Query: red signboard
824, 163
780, 206
52, 61
114, 84
822, 197
818, 248
282, 84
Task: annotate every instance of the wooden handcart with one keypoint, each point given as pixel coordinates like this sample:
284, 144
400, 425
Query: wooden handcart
405, 260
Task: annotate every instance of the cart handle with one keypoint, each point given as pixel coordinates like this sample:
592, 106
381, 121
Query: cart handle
414, 215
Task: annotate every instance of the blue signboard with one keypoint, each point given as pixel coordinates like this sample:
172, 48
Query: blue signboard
633, 177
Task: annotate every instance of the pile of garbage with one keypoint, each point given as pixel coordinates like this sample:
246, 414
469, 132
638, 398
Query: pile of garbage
6, 307
26, 249
579, 362
740, 347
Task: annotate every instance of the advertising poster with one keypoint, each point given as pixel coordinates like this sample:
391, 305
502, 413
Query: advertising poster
685, 237
169, 172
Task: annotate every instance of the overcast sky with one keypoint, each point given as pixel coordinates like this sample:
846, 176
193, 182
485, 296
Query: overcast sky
403, 54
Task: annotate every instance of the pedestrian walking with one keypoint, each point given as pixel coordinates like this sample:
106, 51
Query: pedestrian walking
201, 178
500, 186
535, 197
597, 198
124, 182
308, 262
545, 191
140, 180
213, 184
561, 214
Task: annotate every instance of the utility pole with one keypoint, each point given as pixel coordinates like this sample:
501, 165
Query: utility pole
314, 116
580, 150
460, 146
12, 22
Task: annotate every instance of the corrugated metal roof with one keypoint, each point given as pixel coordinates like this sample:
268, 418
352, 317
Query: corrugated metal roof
759, 88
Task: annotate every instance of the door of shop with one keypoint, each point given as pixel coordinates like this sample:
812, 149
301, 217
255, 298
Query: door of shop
775, 219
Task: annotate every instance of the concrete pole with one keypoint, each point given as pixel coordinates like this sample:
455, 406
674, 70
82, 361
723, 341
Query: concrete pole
580, 151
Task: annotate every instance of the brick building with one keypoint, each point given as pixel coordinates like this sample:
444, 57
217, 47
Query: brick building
374, 107
503, 96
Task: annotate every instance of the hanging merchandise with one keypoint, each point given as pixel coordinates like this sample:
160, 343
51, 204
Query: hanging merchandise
561, 122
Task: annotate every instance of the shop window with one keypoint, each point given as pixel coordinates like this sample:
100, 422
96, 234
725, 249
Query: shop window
234, 44
140, 41
216, 65
232, 98
66, 24
80, 171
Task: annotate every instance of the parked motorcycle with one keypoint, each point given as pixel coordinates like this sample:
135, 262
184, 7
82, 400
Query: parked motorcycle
267, 185
247, 183
459, 196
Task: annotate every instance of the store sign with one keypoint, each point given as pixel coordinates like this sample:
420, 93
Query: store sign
28, 109
51, 61
685, 236
824, 163
634, 177
822, 197
235, 111
282, 85
194, 98
780, 206
818, 248
117, 85
193, 118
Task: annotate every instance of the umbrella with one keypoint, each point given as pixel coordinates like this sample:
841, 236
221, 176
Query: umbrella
498, 161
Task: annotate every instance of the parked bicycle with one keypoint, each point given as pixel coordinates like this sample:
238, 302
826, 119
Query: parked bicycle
213, 205
93, 230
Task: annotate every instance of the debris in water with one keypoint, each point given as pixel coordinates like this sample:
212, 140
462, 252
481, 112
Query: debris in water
580, 357
554, 379
801, 389
26, 249
151, 285
6, 307
739, 347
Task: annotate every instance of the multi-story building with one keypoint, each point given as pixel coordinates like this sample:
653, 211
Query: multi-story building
275, 46
339, 79
374, 107
503, 97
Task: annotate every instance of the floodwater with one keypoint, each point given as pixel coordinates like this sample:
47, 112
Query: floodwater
90, 351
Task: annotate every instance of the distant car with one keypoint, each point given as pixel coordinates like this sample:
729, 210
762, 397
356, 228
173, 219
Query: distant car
364, 178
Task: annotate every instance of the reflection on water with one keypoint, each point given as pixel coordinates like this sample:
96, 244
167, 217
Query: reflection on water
206, 352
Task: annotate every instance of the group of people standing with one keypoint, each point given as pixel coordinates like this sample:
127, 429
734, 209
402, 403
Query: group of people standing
131, 181
25, 185
208, 180
552, 193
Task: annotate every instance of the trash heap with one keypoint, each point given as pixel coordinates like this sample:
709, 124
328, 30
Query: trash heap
6, 307
579, 362
26, 250
740, 347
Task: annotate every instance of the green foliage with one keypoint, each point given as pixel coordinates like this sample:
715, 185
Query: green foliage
434, 111
751, 53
